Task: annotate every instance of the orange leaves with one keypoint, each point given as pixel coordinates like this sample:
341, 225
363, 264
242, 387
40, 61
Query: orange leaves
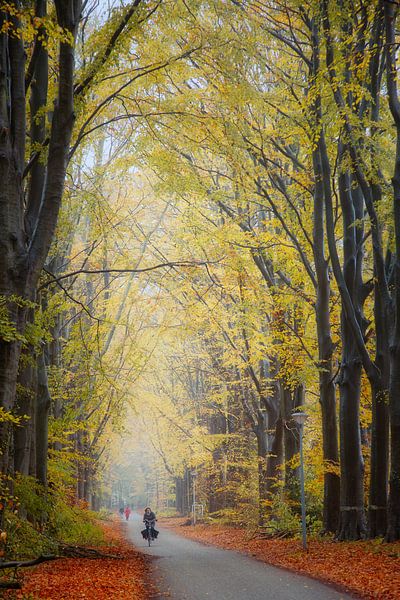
92, 579
369, 569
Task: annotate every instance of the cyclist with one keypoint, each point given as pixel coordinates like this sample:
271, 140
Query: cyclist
149, 518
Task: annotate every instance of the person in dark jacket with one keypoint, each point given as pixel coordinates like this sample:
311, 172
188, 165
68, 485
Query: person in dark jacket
149, 518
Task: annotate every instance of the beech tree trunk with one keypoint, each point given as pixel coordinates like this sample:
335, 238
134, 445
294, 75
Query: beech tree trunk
217, 478
24, 408
269, 435
378, 492
352, 517
262, 452
291, 444
393, 532
378, 496
327, 395
275, 456
43, 402
24, 247
352, 524
13, 255
179, 495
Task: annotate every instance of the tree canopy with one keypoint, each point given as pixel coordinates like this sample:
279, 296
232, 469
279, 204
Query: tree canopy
200, 232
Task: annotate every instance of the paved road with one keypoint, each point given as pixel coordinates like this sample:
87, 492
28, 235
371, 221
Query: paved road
187, 570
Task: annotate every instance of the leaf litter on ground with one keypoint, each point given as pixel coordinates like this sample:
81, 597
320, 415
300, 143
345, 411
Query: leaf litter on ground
122, 578
369, 569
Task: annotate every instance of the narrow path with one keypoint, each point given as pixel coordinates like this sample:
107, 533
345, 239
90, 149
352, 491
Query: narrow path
187, 570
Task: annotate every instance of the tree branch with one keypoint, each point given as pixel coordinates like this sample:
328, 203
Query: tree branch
171, 264
99, 62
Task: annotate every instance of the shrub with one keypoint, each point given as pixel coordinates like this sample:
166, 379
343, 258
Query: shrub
23, 540
74, 525
41, 518
284, 518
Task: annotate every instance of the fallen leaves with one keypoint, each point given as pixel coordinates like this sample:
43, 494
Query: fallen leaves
93, 579
368, 569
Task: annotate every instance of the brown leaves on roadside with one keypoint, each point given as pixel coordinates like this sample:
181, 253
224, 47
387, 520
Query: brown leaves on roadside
92, 579
369, 569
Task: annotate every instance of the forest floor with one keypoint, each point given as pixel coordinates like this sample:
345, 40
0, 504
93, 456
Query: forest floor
369, 569
91, 578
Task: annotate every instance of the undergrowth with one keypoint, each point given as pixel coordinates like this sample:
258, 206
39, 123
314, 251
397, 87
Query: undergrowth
38, 519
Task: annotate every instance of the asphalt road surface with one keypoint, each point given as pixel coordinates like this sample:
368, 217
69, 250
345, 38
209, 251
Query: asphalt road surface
187, 570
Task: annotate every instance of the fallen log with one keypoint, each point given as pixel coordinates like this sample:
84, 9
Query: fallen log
65, 551
14, 584
10, 585
75, 551
16, 564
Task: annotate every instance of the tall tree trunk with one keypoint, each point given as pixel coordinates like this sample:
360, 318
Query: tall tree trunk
352, 514
393, 532
217, 477
13, 255
87, 484
274, 430
378, 491
290, 401
378, 495
22, 254
352, 518
24, 432
262, 453
43, 402
368, 182
275, 456
80, 476
179, 495
187, 497
330, 447
327, 395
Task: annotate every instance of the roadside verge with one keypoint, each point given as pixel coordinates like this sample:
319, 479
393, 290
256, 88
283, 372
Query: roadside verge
369, 569
125, 576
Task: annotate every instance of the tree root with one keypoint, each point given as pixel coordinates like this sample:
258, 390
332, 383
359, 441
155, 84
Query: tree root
16, 564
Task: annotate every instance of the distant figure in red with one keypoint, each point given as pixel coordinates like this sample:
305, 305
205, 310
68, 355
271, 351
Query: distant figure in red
127, 513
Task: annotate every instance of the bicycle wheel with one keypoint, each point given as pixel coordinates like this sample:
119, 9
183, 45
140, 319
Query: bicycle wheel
149, 536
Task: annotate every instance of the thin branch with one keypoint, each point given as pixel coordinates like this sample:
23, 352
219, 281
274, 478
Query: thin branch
171, 264
99, 62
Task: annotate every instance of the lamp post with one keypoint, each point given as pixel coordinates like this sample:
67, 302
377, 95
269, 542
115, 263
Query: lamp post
194, 475
300, 418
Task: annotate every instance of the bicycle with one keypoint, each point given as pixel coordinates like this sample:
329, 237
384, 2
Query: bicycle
149, 530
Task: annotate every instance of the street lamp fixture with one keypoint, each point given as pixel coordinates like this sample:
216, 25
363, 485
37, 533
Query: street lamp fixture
300, 418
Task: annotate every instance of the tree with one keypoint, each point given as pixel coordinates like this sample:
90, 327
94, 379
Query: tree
25, 245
